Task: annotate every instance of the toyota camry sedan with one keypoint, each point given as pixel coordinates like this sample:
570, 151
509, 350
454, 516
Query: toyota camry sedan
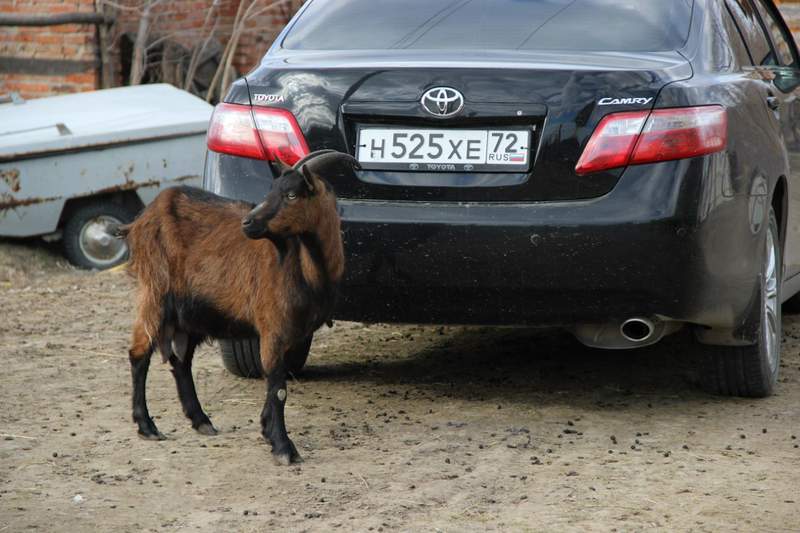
623, 169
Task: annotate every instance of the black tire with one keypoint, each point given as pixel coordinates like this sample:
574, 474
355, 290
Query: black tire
749, 371
79, 219
241, 357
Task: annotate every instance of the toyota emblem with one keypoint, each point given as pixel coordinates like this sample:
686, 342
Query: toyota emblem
442, 101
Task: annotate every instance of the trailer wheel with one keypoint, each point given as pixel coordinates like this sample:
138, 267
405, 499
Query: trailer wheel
88, 242
241, 357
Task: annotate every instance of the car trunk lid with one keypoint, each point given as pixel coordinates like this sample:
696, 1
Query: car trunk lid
558, 97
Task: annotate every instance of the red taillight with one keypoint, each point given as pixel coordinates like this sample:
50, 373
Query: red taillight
231, 131
280, 135
612, 142
681, 133
256, 132
640, 137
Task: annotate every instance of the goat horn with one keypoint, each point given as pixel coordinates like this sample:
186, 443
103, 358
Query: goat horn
319, 162
311, 156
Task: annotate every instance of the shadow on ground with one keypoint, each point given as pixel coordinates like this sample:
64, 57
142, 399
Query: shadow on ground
476, 363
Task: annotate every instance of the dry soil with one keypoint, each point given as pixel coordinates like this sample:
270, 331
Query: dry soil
401, 428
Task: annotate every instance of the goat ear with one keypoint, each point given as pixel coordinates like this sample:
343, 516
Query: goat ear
308, 177
282, 167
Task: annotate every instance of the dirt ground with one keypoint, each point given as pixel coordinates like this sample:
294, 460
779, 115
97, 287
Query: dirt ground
401, 428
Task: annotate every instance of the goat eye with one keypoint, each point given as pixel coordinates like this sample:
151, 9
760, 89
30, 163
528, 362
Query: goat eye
291, 196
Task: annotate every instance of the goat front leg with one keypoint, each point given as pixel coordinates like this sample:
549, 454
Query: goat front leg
273, 425
182, 371
139, 354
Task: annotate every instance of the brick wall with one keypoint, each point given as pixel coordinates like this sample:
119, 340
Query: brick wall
62, 59
43, 61
47, 60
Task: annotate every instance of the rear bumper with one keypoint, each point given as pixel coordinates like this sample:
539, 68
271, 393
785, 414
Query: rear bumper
537, 265
661, 243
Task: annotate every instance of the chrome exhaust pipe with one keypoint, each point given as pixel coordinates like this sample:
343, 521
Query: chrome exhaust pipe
637, 329
632, 333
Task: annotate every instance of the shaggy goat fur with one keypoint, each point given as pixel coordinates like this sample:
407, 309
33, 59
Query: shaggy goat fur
208, 267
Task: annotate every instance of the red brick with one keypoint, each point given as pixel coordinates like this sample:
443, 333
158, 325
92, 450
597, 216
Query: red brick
88, 77
176, 19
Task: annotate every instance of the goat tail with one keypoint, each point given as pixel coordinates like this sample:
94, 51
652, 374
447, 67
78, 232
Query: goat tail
119, 231
148, 265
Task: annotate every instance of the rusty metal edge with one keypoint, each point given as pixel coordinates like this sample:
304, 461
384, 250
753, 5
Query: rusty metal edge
93, 147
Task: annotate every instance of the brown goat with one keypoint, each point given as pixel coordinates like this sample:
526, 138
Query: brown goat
208, 267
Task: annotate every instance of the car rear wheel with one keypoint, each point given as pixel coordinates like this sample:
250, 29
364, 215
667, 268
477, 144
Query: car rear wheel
88, 239
752, 371
241, 357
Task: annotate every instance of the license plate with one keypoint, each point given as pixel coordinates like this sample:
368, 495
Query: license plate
444, 150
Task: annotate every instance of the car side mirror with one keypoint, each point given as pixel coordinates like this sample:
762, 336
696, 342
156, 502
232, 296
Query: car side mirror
786, 79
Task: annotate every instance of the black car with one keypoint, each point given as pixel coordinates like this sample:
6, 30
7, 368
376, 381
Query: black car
619, 168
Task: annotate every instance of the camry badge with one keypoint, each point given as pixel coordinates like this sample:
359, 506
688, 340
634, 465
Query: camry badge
442, 101
624, 101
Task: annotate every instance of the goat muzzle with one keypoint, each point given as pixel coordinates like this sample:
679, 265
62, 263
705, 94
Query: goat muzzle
249, 227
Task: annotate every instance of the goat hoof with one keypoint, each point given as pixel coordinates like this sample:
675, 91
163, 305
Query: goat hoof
206, 429
287, 457
282, 459
157, 435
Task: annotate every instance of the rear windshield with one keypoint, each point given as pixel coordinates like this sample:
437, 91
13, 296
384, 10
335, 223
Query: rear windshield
592, 25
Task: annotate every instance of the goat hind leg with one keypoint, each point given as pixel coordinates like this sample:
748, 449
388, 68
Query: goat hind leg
182, 372
139, 354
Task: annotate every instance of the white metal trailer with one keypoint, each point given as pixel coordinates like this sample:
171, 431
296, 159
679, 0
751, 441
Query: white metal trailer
72, 165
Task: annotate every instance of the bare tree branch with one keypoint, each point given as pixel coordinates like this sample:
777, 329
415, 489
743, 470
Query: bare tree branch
166, 37
198, 51
139, 46
226, 66
234, 42
121, 7
169, 62
220, 68
103, 45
